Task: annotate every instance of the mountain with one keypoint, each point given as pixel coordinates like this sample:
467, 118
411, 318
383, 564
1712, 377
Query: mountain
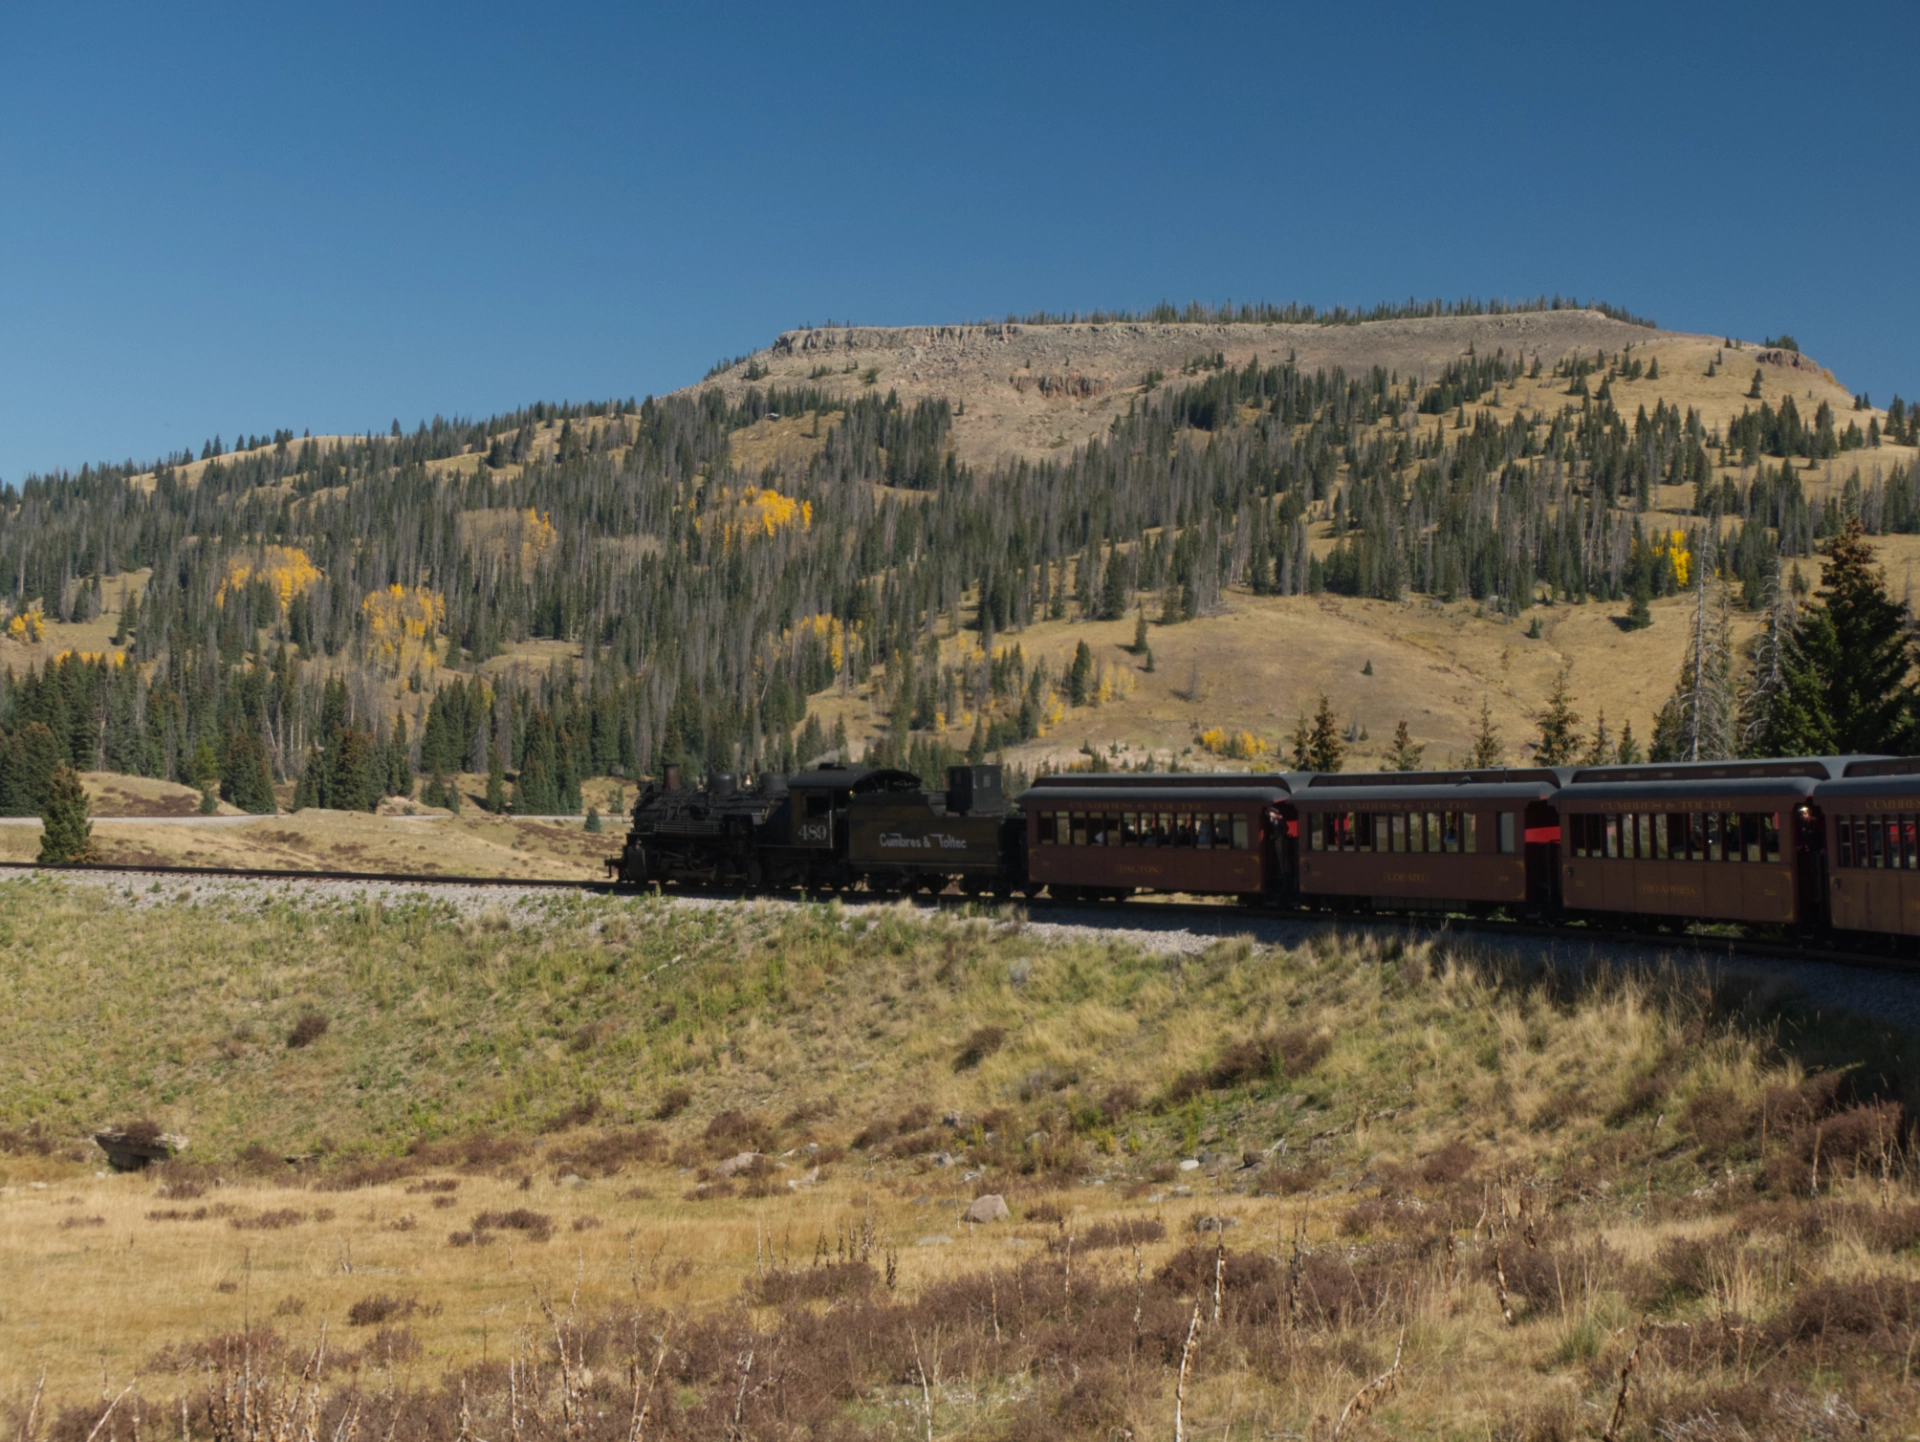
918, 543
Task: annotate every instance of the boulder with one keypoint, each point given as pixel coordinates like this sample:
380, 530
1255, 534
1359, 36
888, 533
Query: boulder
734, 1165
990, 1208
129, 1149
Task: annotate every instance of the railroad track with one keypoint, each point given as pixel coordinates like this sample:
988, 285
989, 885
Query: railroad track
1705, 947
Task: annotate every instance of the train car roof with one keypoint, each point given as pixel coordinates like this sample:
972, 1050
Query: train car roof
1884, 766
1485, 776
1160, 780
1881, 784
1820, 768
1114, 796
854, 778
1440, 797
1702, 788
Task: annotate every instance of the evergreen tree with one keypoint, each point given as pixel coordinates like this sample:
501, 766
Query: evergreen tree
1140, 632
1302, 744
66, 836
1600, 749
1559, 726
1628, 753
1487, 751
1405, 755
496, 800
1855, 641
1782, 707
1080, 678
245, 779
1325, 749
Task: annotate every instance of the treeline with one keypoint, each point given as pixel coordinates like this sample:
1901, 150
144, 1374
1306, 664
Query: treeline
1295, 313
708, 604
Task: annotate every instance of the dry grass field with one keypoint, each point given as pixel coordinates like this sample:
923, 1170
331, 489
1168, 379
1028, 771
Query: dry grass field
558, 1163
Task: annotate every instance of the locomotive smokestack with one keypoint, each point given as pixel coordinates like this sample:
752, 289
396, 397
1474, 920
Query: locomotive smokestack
671, 778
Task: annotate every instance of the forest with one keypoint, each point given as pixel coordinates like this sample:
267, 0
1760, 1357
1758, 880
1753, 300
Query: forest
318, 612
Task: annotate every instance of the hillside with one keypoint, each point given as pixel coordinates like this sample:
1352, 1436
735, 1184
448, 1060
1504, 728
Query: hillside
718, 1157
896, 541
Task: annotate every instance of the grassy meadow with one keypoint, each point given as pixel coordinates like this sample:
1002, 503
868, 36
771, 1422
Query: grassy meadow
583, 1168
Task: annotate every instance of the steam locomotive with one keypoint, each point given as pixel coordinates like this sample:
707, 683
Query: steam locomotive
1803, 846
828, 829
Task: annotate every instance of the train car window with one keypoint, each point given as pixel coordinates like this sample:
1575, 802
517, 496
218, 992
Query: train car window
1576, 834
1845, 829
1508, 838
1730, 836
1626, 836
1240, 833
1433, 831
1662, 836
1715, 851
1750, 834
1416, 831
1397, 831
1450, 830
1643, 823
1470, 832
1382, 832
819, 803
1696, 837
1912, 846
1316, 837
1079, 828
1613, 836
1096, 829
1222, 830
1875, 850
1045, 828
1770, 835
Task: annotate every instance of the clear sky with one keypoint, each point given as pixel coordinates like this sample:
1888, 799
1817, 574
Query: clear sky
230, 218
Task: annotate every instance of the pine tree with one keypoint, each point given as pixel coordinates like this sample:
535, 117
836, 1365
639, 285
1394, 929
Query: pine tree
1140, 632
1628, 753
245, 780
1855, 641
1559, 726
496, 801
1405, 755
1325, 750
1081, 675
1600, 750
1302, 744
66, 837
1487, 751
1782, 709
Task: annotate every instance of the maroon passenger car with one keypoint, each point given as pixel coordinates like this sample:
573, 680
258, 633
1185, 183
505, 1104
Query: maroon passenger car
1403, 846
1872, 822
1111, 840
1711, 849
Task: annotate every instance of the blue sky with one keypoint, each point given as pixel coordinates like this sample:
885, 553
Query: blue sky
233, 218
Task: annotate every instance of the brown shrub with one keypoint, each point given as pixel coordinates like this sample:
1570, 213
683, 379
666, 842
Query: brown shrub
269, 1221
826, 1282
1128, 1232
737, 1131
577, 1115
608, 1153
308, 1029
1118, 1103
1276, 1181
69, 1223
177, 1214
373, 1311
1452, 1164
432, 1185
1876, 1313
983, 1043
673, 1101
1272, 1058
710, 1191
1046, 1211
537, 1225
32, 1142
587, 1223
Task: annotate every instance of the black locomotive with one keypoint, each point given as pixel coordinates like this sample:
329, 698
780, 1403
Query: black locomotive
828, 829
